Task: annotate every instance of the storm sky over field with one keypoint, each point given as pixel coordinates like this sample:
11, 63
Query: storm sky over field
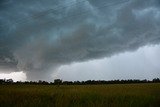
80, 39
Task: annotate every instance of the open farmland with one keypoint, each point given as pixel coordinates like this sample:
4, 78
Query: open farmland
111, 95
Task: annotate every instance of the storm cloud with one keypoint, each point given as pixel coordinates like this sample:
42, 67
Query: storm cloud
39, 36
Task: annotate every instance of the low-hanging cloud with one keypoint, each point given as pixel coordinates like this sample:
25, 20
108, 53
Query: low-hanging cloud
39, 36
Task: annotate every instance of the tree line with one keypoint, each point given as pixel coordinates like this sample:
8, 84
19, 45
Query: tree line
94, 82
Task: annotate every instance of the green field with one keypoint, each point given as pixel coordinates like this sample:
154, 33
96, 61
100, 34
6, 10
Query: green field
111, 95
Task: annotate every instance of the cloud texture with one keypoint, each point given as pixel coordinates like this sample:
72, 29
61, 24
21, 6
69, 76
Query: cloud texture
39, 36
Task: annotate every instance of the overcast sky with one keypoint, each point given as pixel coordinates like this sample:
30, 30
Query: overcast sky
79, 39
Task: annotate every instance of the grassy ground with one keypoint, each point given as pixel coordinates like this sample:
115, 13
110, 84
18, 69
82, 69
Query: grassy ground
117, 95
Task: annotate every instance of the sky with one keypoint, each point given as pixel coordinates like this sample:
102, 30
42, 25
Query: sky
79, 39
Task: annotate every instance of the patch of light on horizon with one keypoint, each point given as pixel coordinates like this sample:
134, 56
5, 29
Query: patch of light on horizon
16, 76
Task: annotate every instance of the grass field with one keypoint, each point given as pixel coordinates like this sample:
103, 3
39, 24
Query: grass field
115, 95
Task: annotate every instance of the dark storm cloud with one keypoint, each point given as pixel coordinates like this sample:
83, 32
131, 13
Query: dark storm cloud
38, 36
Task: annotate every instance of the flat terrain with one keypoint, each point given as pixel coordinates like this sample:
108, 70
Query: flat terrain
111, 95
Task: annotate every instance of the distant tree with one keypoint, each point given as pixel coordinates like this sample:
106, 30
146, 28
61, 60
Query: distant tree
156, 80
44, 83
40, 81
67, 83
77, 83
88, 82
9, 81
19, 82
2, 81
57, 81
